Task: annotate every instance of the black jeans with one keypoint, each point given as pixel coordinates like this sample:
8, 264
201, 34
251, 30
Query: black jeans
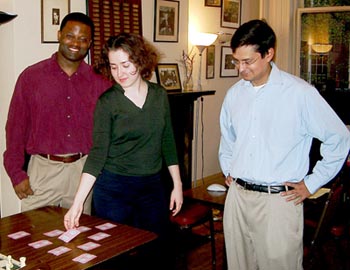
139, 202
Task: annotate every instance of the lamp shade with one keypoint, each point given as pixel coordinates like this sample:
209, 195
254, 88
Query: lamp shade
203, 39
321, 48
6, 17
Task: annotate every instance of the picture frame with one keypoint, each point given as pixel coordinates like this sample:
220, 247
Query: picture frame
212, 3
166, 21
52, 13
210, 63
231, 13
227, 67
168, 76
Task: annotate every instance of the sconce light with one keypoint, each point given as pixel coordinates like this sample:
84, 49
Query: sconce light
201, 41
6, 17
321, 48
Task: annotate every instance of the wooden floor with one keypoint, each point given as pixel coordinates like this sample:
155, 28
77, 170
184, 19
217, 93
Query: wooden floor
199, 256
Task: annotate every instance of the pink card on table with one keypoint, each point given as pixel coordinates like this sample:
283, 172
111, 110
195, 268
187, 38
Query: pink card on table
59, 250
18, 235
83, 229
84, 258
105, 226
89, 246
99, 236
69, 235
40, 244
53, 233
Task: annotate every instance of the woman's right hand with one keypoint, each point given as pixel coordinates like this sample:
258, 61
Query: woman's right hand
71, 218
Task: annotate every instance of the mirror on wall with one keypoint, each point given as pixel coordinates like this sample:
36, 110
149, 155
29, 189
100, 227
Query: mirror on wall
323, 41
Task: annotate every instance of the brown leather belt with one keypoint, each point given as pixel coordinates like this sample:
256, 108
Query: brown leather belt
64, 159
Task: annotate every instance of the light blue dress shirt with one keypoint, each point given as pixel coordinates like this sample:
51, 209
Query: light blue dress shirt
266, 134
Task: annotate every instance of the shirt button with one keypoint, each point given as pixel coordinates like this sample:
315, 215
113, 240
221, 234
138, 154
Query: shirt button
68, 97
68, 116
68, 135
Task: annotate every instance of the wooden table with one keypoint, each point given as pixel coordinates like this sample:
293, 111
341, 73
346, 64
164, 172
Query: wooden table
36, 222
214, 199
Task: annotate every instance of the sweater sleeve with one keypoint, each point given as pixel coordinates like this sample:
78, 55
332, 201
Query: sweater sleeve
168, 141
101, 138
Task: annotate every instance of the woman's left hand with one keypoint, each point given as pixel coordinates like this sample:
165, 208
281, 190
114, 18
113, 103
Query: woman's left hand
176, 200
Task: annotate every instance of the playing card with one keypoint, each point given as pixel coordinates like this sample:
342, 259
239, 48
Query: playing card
18, 235
89, 246
105, 226
84, 258
83, 228
59, 250
53, 233
40, 244
99, 236
69, 235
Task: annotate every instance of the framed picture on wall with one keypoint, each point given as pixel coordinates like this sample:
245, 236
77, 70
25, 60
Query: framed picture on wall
166, 21
168, 76
212, 3
210, 64
231, 13
227, 67
52, 13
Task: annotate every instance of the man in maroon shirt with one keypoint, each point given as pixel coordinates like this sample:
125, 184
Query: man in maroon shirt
51, 118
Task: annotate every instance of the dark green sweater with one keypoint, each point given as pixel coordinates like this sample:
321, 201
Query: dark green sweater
128, 140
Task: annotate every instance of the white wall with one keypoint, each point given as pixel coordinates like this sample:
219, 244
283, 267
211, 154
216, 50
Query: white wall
7, 78
20, 46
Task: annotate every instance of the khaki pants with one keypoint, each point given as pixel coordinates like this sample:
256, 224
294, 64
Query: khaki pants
262, 231
54, 183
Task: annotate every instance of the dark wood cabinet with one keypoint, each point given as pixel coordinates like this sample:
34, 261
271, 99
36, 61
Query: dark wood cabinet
182, 114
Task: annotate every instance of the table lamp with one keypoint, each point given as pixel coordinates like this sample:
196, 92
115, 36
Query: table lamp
201, 41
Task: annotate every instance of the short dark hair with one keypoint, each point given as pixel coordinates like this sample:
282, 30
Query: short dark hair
256, 33
141, 53
78, 17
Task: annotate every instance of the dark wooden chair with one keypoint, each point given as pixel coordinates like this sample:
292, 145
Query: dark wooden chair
322, 227
191, 215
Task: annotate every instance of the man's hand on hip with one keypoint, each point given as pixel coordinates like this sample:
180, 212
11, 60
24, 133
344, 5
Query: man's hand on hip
298, 194
23, 189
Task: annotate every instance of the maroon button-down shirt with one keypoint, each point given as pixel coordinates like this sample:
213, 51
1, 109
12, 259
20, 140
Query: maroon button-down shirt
50, 113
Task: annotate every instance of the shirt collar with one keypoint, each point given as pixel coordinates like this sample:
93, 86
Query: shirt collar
274, 77
83, 69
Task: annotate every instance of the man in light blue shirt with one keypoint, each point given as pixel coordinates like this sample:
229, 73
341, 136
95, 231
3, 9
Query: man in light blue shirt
268, 120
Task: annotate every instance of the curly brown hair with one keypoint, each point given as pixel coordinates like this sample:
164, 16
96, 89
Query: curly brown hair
141, 53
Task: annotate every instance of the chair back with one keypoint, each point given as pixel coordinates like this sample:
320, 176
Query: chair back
329, 211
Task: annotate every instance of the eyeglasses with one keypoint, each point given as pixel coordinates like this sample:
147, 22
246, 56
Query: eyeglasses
247, 63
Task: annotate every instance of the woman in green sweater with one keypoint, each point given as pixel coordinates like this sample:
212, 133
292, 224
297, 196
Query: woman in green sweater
132, 136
